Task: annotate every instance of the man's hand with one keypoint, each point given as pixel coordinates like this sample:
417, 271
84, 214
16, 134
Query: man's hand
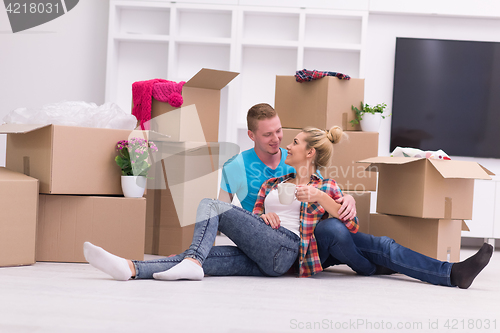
271, 219
348, 209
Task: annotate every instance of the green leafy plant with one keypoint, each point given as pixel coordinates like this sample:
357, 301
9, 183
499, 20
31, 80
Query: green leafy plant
379, 108
133, 156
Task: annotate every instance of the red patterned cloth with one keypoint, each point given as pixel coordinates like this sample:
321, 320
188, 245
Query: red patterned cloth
305, 75
159, 89
310, 214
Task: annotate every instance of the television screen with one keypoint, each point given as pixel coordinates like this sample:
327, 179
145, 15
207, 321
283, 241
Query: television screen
447, 96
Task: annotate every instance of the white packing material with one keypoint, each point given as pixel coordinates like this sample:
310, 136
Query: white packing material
74, 113
414, 152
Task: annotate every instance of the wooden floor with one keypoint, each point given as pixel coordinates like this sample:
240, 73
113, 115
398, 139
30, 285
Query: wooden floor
60, 297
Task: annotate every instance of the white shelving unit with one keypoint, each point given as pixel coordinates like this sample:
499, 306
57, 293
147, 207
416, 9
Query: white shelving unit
485, 221
174, 40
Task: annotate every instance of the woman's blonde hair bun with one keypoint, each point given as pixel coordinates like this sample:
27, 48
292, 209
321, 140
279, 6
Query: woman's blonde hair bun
323, 141
335, 134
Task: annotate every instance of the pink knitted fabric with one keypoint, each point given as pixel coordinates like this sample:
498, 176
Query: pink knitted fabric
162, 90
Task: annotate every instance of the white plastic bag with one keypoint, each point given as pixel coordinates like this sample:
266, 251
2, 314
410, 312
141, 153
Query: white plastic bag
74, 113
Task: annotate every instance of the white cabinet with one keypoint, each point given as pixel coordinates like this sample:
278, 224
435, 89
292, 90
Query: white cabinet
485, 221
174, 40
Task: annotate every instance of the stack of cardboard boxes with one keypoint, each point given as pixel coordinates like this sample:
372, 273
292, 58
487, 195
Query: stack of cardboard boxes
421, 203
186, 168
324, 103
63, 183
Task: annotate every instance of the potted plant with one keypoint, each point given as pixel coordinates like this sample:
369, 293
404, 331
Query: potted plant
133, 160
369, 117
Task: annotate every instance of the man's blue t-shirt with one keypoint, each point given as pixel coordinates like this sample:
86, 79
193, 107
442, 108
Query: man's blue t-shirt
244, 174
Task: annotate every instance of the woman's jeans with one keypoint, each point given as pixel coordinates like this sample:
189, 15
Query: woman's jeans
261, 250
363, 252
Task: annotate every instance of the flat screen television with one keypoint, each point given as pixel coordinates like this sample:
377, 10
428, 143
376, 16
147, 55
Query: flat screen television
447, 96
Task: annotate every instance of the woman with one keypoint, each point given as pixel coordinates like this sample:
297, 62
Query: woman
269, 241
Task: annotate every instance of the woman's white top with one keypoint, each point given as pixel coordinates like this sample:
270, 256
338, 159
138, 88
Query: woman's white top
289, 214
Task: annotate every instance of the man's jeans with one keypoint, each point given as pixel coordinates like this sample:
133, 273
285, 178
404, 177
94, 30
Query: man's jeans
362, 252
261, 250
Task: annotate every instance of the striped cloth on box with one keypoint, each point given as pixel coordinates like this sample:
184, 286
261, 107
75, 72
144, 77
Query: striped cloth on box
305, 75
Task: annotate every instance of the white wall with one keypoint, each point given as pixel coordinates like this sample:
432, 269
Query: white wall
381, 43
64, 59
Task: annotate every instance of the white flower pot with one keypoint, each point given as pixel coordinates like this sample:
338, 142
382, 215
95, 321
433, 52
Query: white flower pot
370, 122
133, 186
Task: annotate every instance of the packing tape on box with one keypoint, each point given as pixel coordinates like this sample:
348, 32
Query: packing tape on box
26, 165
447, 208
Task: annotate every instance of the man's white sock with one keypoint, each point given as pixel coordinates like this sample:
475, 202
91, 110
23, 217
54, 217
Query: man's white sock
110, 264
185, 270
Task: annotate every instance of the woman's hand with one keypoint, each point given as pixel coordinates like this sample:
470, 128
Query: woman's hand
308, 193
271, 219
348, 210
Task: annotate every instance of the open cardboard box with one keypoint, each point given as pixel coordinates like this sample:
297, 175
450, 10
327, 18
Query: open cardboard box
349, 175
202, 90
18, 215
437, 238
66, 159
320, 103
426, 188
65, 222
182, 124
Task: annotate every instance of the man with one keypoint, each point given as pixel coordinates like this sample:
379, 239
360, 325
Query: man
244, 173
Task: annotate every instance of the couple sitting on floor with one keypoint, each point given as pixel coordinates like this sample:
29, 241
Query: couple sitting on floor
273, 239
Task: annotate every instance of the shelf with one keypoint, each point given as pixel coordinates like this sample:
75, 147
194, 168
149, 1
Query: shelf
332, 29
206, 41
270, 43
202, 24
346, 62
190, 58
270, 26
143, 20
338, 47
141, 38
322, 4
173, 40
258, 75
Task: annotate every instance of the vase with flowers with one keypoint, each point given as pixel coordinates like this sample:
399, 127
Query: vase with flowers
133, 160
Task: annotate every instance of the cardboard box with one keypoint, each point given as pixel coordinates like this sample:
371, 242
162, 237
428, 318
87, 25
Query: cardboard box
182, 124
202, 90
165, 234
426, 188
348, 174
18, 214
321, 103
437, 238
66, 159
174, 240
65, 222
363, 201
189, 174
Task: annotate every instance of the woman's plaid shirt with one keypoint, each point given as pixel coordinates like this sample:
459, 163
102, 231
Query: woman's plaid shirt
310, 214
